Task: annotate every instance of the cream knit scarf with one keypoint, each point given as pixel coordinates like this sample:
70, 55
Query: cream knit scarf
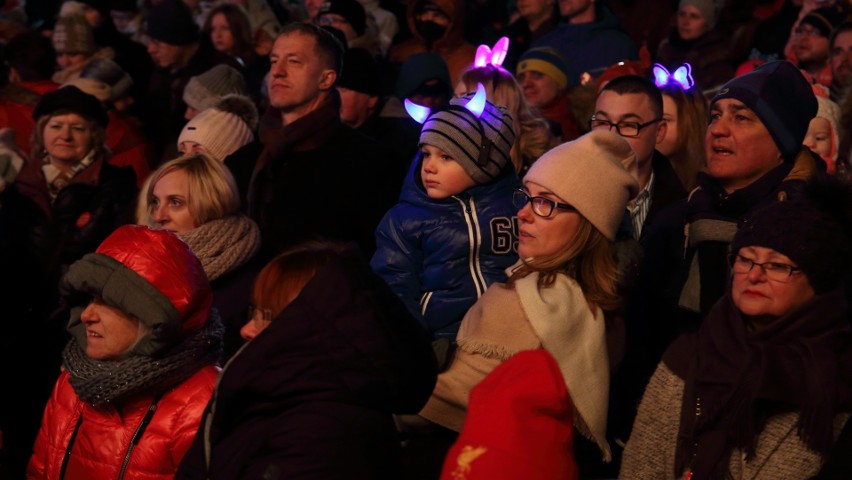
224, 244
575, 336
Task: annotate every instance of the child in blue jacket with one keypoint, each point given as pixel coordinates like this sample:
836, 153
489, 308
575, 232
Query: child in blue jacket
453, 233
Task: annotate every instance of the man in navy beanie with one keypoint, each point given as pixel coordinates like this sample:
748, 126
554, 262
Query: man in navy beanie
754, 157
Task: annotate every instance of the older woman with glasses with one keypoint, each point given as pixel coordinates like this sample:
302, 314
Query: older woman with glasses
556, 294
763, 389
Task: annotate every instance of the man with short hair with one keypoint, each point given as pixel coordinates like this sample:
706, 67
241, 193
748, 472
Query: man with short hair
589, 39
841, 60
633, 107
315, 176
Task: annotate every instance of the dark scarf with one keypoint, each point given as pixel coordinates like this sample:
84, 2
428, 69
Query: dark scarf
738, 379
306, 133
98, 382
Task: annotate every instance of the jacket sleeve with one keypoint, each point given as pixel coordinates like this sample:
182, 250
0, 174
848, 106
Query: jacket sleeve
399, 260
46, 450
649, 454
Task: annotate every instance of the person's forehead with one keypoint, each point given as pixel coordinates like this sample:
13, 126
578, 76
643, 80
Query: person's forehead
843, 39
293, 42
618, 104
730, 104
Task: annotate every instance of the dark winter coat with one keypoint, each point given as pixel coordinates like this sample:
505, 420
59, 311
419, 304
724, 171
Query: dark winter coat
317, 177
312, 395
590, 47
440, 256
709, 56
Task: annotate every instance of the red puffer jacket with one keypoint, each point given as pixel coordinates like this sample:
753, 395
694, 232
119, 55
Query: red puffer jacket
104, 440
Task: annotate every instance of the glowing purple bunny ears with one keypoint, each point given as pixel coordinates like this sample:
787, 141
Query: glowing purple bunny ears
475, 105
488, 56
682, 76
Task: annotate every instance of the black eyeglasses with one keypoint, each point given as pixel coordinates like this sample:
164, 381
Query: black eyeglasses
777, 272
625, 129
541, 206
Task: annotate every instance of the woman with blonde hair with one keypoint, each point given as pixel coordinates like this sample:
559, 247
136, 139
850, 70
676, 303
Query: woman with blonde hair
556, 294
534, 136
195, 196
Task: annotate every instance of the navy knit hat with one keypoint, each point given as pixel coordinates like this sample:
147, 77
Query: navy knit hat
458, 132
545, 60
170, 21
781, 97
419, 69
812, 230
351, 10
71, 99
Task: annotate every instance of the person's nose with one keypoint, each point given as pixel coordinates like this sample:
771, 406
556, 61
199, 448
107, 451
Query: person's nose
249, 331
159, 214
718, 127
525, 214
756, 274
429, 165
89, 314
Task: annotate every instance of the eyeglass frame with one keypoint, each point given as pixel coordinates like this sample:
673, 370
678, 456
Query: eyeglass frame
529, 199
331, 20
733, 257
812, 32
639, 126
265, 316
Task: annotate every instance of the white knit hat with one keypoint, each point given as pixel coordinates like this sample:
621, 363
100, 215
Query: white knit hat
596, 173
830, 111
223, 129
203, 91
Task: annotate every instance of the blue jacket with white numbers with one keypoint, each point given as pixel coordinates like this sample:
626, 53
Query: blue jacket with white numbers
439, 256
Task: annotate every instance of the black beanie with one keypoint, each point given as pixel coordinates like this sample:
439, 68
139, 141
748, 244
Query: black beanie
351, 10
812, 230
825, 19
781, 97
360, 72
170, 21
71, 99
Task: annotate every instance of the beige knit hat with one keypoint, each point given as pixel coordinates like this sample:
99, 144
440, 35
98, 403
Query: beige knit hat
73, 35
596, 173
223, 129
203, 91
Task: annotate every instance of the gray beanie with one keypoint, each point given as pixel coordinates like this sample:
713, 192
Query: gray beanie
205, 90
709, 10
73, 35
107, 71
457, 131
595, 173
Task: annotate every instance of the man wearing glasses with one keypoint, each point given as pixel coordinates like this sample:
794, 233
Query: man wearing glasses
632, 106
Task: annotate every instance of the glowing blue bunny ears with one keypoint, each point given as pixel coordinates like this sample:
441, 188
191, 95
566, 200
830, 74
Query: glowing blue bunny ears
475, 106
488, 56
682, 76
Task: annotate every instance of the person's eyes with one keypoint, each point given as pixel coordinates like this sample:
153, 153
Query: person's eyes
176, 202
777, 267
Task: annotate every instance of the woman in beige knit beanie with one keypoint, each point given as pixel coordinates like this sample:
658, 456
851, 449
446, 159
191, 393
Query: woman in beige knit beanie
570, 206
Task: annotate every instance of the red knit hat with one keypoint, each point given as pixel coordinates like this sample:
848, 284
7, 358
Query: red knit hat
519, 425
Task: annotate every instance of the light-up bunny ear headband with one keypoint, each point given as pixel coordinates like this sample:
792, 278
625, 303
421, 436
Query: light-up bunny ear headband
682, 76
475, 106
491, 56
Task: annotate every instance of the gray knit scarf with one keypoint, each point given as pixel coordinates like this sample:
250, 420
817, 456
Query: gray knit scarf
224, 244
99, 382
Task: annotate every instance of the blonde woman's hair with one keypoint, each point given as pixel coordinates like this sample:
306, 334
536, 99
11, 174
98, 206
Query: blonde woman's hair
501, 88
212, 191
689, 156
588, 258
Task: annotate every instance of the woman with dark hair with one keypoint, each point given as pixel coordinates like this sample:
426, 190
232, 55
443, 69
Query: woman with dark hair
332, 355
764, 388
230, 32
140, 366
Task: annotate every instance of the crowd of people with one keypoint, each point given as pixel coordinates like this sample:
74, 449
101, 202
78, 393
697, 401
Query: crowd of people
422, 239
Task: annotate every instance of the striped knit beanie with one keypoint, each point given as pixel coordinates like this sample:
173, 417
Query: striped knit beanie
545, 60
481, 146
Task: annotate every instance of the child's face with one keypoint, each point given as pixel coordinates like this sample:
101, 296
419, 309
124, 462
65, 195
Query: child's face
442, 175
